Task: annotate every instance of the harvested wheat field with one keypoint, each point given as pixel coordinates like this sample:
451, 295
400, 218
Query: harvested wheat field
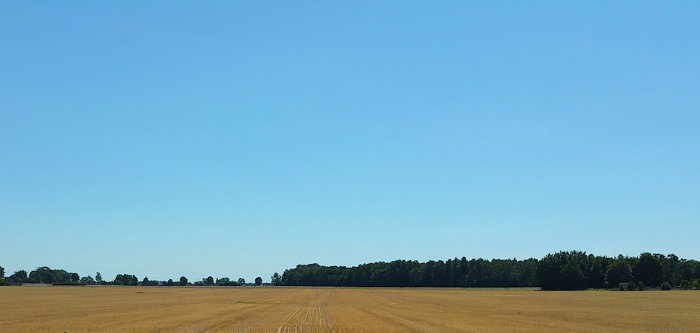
173, 309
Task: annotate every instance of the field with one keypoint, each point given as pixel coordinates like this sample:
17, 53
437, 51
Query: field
248, 309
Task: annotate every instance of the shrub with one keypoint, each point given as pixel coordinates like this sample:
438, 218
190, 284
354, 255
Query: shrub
631, 286
685, 284
640, 286
696, 284
665, 285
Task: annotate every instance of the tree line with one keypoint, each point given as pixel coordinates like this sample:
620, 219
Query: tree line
46, 275
572, 270
559, 271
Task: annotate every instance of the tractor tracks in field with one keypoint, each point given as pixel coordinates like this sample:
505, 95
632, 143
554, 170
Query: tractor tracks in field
311, 318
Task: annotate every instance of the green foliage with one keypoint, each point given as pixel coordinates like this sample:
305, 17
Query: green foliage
87, 280
618, 272
276, 279
665, 285
2, 272
50, 276
209, 281
631, 286
559, 271
685, 284
648, 269
18, 277
226, 282
126, 280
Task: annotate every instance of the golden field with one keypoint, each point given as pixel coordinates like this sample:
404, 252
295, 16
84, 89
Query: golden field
286, 309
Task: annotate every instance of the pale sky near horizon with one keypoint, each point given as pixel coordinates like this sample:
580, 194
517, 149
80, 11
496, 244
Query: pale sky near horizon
242, 138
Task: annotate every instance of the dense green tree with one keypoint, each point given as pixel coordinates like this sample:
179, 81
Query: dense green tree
2, 272
126, 280
18, 276
648, 269
241, 281
209, 281
548, 272
572, 277
88, 280
276, 279
258, 281
618, 271
685, 284
665, 285
183, 281
98, 278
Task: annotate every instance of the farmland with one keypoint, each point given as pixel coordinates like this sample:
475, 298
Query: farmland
152, 309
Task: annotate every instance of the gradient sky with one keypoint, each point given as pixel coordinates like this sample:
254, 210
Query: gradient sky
240, 139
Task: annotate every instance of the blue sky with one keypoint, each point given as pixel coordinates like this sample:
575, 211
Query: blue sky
240, 139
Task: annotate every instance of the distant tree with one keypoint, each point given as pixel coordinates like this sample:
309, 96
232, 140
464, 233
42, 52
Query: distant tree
641, 286
572, 277
18, 276
224, 281
671, 271
170, 283
126, 280
145, 281
183, 281
548, 272
258, 281
43, 275
619, 271
665, 285
631, 286
88, 280
98, 278
209, 281
648, 269
685, 284
276, 279
241, 281
74, 277
2, 272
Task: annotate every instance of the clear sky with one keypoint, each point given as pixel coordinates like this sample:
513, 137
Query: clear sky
242, 138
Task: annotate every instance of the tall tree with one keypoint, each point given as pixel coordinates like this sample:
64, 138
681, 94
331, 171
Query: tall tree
618, 272
276, 279
648, 269
98, 278
183, 281
258, 281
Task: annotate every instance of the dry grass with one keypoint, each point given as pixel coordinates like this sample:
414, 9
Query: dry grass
150, 309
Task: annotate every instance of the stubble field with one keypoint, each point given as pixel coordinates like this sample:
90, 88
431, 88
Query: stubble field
173, 309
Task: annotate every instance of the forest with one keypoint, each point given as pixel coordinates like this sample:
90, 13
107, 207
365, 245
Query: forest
566, 270
571, 270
